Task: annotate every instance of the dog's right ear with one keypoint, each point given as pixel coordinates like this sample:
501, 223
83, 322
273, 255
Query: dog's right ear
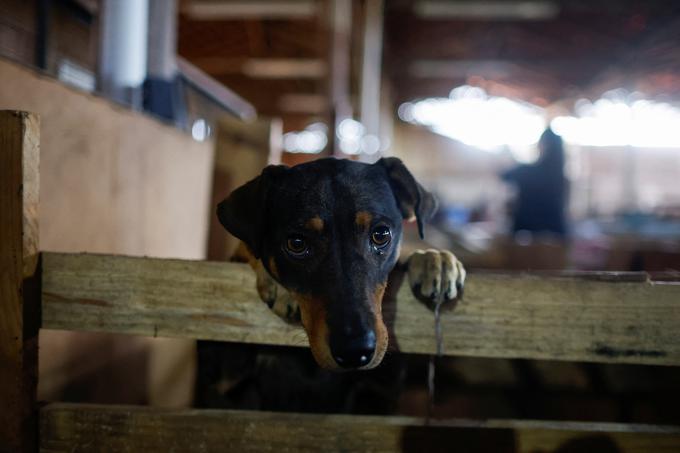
412, 198
243, 212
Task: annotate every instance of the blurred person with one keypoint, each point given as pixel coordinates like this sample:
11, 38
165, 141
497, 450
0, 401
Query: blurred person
542, 190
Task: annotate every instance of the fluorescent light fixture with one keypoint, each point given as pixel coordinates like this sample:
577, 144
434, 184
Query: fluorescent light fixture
621, 119
350, 133
312, 140
352, 139
486, 122
255, 9
487, 10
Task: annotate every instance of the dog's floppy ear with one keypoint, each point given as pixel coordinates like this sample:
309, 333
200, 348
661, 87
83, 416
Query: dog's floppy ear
243, 212
413, 200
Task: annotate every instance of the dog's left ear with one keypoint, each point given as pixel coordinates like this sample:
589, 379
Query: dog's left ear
243, 212
413, 200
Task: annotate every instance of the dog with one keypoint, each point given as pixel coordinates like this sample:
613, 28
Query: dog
323, 238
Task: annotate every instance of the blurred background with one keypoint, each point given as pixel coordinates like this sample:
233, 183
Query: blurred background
153, 110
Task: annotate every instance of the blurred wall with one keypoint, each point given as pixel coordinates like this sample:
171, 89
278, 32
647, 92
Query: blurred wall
113, 181
457, 173
604, 180
615, 179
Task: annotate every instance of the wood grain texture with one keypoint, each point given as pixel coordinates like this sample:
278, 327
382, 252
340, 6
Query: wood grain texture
590, 317
19, 158
83, 428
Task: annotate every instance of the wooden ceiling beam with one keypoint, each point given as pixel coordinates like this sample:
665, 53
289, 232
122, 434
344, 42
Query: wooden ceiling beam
314, 104
251, 9
284, 68
487, 10
250, 38
444, 68
264, 68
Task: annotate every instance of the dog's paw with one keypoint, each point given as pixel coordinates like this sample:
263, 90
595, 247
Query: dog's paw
435, 276
277, 298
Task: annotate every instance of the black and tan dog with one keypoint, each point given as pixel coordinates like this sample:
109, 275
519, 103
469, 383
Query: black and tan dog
323, 238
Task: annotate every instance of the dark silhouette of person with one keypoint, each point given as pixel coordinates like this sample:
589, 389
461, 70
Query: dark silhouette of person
542, 190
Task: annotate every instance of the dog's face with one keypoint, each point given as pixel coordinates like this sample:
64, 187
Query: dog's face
329, 232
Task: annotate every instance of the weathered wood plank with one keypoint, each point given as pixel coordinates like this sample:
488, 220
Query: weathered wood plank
72, 427
581, 317
19, 157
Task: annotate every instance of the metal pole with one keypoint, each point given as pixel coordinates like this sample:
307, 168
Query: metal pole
124, 50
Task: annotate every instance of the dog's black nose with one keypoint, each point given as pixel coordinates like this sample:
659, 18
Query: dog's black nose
353, 352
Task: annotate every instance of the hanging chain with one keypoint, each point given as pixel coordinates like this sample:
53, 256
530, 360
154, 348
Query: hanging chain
431, 365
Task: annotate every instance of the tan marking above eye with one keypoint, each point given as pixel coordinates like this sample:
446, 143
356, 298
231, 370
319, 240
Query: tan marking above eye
315, 223
363, 219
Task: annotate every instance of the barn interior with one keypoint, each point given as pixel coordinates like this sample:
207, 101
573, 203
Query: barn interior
154, 110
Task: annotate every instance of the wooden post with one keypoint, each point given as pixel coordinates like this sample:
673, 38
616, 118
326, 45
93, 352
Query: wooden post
340, 68
369, 90
19, 288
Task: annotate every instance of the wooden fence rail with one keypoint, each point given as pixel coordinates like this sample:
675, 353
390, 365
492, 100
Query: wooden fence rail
72, 427
589, 317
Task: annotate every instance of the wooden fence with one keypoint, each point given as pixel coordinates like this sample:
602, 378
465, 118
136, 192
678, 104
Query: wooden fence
620, 318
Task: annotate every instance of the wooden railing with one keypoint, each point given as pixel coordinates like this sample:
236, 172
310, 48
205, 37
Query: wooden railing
599, 317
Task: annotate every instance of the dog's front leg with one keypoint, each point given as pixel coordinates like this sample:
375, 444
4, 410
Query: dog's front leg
435, 276
274, 295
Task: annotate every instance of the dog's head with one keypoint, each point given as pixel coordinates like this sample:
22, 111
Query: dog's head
329, 232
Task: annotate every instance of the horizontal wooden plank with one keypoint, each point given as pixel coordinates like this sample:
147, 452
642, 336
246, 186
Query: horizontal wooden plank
587, 317
73, 427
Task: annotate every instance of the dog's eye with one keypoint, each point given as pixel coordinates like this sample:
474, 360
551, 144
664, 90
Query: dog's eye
381, 236
296, 246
